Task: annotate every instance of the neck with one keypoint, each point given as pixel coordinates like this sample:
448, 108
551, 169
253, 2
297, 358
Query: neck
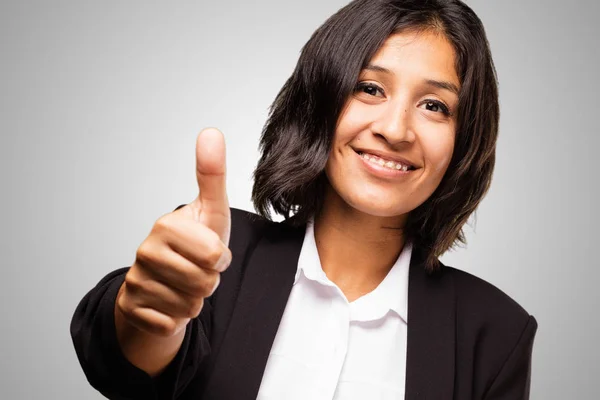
356, 250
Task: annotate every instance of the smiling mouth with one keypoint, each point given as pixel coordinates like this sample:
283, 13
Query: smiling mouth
389, 164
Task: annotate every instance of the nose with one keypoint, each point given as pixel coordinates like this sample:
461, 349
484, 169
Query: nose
393, 124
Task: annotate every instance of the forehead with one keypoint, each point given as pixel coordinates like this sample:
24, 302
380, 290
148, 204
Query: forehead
423, 53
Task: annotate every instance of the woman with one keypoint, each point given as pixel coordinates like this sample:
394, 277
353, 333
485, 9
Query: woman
377, 150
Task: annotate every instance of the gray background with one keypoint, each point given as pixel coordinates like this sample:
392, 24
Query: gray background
101, 103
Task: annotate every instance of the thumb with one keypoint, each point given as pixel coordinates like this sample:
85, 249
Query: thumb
210, 174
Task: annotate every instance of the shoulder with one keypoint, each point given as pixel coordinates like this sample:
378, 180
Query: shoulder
248, 228
491, 327
246, 225
494, 335
484, 300
246, 222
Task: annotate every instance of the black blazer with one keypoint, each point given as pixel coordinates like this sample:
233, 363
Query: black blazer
466, 339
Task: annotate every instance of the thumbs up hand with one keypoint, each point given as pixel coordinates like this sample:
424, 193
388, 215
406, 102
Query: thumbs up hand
179, 264
211, 207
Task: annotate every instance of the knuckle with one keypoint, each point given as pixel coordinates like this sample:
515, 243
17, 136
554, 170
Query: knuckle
162, 326
196, 285
159, 329
166, 327
214, 249
205, 285
133, 283
195, 307
212, 283
143, 254
125, 307
213, 255
225, 260
229, 254
162, 224
165, 225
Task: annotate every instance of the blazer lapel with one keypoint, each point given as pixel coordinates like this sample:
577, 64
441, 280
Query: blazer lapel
260, 305
431, 339
262, 299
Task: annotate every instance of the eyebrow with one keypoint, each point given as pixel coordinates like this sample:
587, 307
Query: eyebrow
443, 85
378, 68
431, 82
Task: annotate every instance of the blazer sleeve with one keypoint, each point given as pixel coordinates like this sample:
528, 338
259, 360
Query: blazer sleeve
106, 368
514, 378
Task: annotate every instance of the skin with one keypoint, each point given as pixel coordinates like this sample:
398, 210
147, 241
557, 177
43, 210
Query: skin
397, 112
179, 264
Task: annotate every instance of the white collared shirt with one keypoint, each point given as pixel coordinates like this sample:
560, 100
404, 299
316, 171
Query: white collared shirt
329, 349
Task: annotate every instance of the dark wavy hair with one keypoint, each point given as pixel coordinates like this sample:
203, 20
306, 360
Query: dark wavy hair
296, 140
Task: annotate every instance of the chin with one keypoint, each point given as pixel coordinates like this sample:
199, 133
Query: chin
378, 205
373, 198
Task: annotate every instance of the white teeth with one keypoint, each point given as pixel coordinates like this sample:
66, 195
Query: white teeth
384, 163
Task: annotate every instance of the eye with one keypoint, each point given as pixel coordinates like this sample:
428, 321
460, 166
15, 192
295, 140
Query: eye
369, 88
436, 106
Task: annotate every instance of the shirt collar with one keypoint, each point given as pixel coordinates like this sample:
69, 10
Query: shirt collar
308, 262
391, 294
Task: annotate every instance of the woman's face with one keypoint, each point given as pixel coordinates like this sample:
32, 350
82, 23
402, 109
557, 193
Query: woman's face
395, 137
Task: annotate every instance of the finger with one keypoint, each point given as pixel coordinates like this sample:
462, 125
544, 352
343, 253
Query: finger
195, 242
155, 322
147, 320
177, 272
211, 177
150, 293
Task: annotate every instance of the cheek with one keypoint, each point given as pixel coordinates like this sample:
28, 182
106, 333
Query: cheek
352, 121
439, 149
